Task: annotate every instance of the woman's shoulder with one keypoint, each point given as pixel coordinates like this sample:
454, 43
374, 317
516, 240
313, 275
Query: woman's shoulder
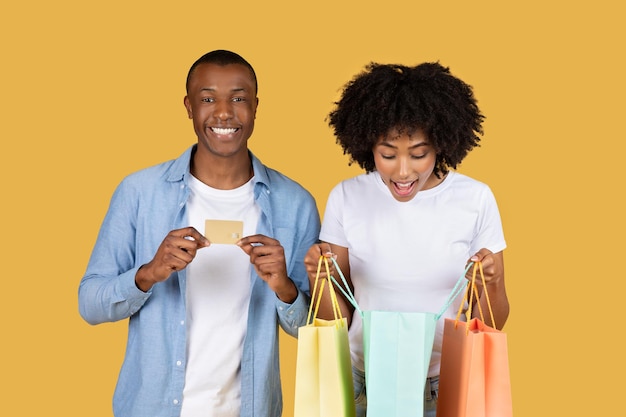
468, 188
355, 185
361, 180
457, 179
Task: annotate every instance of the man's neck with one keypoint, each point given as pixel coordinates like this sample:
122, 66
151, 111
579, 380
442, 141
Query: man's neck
223, 173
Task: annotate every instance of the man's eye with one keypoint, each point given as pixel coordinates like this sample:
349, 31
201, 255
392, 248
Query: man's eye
208, 100
238, 99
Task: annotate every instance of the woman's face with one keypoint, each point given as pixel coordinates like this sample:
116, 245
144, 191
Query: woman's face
405, 162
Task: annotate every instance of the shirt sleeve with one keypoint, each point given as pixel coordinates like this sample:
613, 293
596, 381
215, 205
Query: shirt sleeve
294, 315
489, 233
291, 316
107, 291
332, 225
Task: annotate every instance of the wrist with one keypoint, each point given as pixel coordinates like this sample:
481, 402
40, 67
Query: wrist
142, 281
289, 293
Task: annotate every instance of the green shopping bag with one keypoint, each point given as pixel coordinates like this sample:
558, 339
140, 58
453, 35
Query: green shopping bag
397, 348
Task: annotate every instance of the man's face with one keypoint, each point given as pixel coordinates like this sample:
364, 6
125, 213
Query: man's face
222, 102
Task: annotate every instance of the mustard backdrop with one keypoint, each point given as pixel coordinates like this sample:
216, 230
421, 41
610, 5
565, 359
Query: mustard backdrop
91, 91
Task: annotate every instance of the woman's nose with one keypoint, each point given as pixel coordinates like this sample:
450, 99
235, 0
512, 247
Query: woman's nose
404, 167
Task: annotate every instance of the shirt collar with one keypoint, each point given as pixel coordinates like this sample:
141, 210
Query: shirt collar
181, 166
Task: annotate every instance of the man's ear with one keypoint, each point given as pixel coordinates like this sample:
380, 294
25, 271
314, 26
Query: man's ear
255, 107
188, 107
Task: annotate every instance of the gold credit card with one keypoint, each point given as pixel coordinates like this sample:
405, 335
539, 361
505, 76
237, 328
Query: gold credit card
223, 231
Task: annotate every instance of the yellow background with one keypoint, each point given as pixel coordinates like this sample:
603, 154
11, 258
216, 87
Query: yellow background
91, 91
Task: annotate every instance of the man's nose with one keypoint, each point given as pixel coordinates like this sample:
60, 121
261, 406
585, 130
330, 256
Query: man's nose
223, 110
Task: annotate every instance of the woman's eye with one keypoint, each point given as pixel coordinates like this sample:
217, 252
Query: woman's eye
387, 156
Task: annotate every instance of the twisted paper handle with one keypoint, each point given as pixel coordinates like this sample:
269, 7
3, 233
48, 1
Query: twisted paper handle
471, 293
318, 292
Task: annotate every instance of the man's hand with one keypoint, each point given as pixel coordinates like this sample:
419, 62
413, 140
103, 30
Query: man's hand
268, 257
175, 252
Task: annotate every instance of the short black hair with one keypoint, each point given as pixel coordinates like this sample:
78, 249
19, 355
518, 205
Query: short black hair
222, 58
427, 97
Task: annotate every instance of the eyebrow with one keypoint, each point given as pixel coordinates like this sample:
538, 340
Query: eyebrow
234, 90
390, 145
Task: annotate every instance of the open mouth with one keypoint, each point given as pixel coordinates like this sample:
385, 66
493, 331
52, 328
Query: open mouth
404, 188
224, 130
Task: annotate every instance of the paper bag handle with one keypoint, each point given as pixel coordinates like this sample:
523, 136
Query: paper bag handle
471, 293
346, 291
458, 288
318, 293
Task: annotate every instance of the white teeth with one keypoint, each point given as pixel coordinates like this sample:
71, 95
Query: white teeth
223, 131
404, 186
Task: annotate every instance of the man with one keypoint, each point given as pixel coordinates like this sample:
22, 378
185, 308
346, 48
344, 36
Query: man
203, 328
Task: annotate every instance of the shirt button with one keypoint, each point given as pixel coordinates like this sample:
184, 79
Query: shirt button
178, 363
182, 186
280, 308
175, 402
182, 322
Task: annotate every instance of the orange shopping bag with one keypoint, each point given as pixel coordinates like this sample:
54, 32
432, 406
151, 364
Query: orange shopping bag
474, 379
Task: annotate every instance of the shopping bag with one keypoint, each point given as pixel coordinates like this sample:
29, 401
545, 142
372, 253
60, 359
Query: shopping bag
474, 379
397, 350
323, 385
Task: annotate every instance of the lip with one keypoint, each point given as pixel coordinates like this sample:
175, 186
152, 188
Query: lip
404, 188
223, 131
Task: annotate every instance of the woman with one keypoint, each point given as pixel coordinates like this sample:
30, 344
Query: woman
403, 232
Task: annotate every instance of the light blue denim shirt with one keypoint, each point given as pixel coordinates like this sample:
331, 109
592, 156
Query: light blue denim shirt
145, 207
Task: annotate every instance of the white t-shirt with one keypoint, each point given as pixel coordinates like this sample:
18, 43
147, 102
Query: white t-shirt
218, 294
407, 256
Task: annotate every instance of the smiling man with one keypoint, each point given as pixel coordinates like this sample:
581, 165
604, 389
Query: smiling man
203, 310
